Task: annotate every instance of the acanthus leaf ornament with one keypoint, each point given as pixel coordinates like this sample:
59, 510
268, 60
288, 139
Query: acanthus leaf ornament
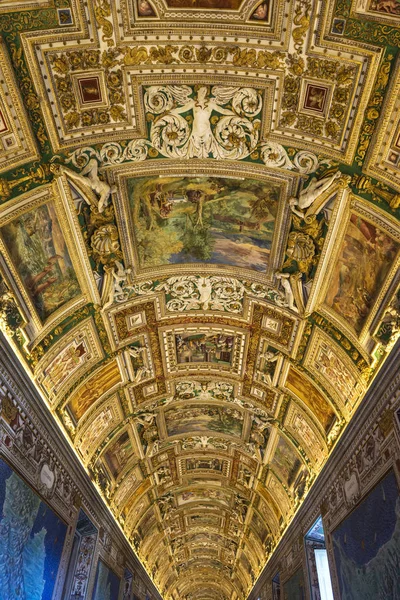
206, 293
235, 135
198, 292
10, 317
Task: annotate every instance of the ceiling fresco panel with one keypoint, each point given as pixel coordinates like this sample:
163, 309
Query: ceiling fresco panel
314, 400
334, 371
69, 359
365, 259
87, 394
36, 225
103, 421
220, 221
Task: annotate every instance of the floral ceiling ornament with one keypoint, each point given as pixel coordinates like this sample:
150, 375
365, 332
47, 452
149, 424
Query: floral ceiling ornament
233, 134
221, 123
274, 155
10, 317
206, 293
193, 292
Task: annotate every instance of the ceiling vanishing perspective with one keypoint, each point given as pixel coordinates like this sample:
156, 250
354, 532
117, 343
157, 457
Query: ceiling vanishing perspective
200, 253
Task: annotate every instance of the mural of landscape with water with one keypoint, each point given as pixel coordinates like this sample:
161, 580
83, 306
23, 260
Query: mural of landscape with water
31, 541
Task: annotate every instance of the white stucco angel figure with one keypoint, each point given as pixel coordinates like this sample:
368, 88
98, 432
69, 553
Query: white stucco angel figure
269, 359
88, 181
284, 278
234, 136
310, 194
116, 286
202, 142
140, 374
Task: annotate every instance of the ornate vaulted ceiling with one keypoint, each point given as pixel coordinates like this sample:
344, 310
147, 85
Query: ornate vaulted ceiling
199, 253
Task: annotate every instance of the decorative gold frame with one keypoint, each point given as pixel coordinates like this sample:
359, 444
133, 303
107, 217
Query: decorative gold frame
389, 226
198, 168
68, 219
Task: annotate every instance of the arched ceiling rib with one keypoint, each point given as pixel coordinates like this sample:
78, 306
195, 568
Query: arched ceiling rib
200, 248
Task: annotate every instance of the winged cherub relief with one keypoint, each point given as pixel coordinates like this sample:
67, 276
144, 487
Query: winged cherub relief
219, 123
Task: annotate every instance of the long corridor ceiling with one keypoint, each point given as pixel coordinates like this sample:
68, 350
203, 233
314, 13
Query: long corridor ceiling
199, 244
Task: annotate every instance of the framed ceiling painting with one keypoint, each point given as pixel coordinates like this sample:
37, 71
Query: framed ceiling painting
334, 371
187, 221
120, 453
104, 419
304, 430
287, 464
17, 143
202, 419
366, 260
57, 281
71, 357
265, 16
211, 348
104, 380
303, 389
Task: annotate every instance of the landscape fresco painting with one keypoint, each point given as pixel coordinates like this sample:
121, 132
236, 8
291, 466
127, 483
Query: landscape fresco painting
213, 220
106, 585
367, 546
31, 538
203, 419
365, 258
38, 251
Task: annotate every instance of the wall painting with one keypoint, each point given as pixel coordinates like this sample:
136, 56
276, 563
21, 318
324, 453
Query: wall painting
367, 545
106, 585
31, 541
293, 588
